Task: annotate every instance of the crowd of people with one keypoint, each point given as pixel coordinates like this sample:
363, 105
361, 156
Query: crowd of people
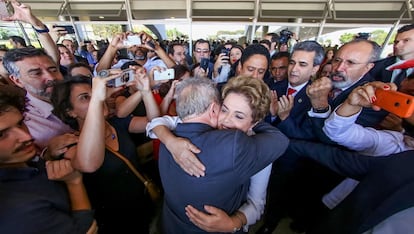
241, 133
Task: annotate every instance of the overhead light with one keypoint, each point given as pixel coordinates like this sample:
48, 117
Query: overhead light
61, 18
101, 17
250, 18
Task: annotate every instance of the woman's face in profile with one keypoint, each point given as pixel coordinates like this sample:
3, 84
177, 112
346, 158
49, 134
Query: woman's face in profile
235, 113
80, 96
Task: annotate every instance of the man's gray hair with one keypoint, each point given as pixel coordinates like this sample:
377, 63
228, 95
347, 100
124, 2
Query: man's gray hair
311, 46
193, 96
15, 55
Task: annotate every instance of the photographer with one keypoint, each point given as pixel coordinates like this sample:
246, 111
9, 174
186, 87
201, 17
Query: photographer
287, 40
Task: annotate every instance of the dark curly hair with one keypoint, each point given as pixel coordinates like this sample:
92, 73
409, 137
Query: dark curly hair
61, 98
12, 96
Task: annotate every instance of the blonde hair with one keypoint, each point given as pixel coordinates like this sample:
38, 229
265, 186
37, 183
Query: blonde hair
256, 92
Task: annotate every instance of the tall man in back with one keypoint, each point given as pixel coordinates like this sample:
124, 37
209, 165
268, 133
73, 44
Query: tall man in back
230, 156
33, 70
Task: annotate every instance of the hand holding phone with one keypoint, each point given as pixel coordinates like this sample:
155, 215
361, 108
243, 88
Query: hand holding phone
204, 63
398, 103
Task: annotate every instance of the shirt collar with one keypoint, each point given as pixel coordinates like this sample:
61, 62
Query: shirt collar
43, 108
298, 88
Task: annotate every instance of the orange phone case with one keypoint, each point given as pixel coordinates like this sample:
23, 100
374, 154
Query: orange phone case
398, 103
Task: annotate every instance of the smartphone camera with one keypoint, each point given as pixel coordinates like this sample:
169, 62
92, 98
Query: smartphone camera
204, 63
125, 77
164, 75
226, 52
69, 29
132, 40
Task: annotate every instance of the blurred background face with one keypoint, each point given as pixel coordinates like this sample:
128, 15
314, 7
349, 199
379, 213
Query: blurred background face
179, 55
404, 45
202, 50
70, 45
66, 57
326, 70
235, 113
235, 54
279, 68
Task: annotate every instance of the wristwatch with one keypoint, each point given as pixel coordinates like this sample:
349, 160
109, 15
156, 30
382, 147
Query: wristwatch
45, 30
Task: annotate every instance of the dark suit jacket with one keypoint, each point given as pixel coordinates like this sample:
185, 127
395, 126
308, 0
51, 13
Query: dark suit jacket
231, 158
386, 186
378, 72
297, 124
367, 118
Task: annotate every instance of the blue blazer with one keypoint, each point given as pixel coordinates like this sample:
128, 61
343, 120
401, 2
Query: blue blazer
231, 158
386, 186
297, 124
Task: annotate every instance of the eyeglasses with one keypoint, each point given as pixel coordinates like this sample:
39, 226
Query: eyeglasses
347, 63
200, 51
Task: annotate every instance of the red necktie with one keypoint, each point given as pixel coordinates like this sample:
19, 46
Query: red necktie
291, 91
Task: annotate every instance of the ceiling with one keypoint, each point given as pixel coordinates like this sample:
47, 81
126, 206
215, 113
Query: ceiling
249, 11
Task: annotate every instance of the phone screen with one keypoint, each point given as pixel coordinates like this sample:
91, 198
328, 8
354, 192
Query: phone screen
204, 63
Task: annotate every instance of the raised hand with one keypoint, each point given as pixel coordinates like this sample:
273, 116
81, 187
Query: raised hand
285, 106
318, 92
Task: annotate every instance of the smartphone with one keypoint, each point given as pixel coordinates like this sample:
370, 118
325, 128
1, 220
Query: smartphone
125, 77
398, 103
69, 29
164, 75
133, 40
204, 63
226, 52
4, 10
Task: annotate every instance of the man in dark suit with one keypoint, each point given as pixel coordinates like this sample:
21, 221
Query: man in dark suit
350, 68
292, 119
230, 158
291, 175
403, 50
290, 112
383, 201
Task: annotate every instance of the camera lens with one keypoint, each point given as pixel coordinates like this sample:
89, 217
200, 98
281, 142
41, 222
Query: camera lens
103, 73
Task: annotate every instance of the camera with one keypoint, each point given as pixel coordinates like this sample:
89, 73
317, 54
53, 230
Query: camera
285, 36
363, 35
124, 78
164, 75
